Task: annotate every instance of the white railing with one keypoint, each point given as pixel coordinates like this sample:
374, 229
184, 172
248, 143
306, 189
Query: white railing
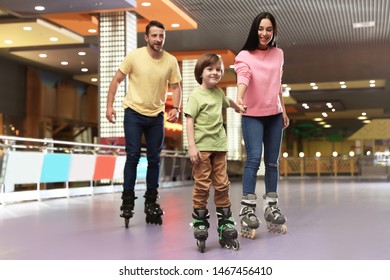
36, 169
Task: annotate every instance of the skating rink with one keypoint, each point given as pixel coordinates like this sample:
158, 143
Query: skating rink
328, 219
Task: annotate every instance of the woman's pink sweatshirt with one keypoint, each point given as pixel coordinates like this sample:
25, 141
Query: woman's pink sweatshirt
261, 71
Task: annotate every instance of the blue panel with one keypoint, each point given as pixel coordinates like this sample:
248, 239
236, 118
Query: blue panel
141, 168
55, 168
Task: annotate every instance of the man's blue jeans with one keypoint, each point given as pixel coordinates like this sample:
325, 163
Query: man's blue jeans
135, 125
259, 131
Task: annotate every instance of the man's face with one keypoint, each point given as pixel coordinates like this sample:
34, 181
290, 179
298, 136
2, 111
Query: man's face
156, 38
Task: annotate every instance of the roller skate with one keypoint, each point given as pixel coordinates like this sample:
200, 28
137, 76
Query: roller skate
152, 208
127, 206
249, 221
274, 218
226, 230
200, 226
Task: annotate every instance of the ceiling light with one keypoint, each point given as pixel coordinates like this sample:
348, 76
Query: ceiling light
175, 25
64, 63
372, 85
84, 69
372, 81
82, 53
42, 55
364, 114
364, 24
362, 118
312, 84
342, 83
318, 119
324, 114
284, 85
329, 105
8, 42
327, 126
92, 30
146, 4
27, 28
39, 8
94, 80
53, 39
315, 87
343, 86
366, 121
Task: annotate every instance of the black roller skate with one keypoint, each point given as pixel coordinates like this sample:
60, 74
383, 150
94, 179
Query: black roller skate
200, 226
226, 230
127, 206
152, 208
249, 221
274, 218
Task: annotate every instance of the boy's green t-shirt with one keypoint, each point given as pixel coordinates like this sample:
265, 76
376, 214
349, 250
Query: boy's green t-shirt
205, 107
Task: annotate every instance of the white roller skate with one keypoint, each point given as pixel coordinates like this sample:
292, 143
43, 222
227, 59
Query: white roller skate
276, 222
249, 221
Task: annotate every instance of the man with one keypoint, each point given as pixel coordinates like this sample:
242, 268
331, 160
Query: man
149, 70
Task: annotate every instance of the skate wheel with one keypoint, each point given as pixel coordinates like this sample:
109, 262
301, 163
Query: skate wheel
127, 222
236, 245
202, 245
284, 229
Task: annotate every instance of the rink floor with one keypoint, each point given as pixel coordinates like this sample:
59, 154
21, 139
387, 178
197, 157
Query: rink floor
328, 219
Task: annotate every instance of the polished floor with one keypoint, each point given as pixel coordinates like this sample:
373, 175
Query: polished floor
328, 219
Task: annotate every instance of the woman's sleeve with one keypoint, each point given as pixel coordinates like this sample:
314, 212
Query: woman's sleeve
242, 70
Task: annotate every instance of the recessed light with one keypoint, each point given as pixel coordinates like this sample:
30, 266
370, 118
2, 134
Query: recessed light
84, 69
342, 83
94, 80
39, 8
327, 126
146, 4
312, 84
82, 53
175, 25
8, 42
42, 55
315, 87
64, 63
27, 28
53, 39
92, 30
343, 86
364, 24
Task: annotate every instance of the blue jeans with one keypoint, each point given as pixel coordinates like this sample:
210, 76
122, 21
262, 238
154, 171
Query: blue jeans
135, 125
259, 131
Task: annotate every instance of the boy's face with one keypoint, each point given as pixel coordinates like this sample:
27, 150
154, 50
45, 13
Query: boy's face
212, 74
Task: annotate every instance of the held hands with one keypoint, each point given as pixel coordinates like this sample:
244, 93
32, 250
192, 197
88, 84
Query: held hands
111, 115
240, 109
173, 115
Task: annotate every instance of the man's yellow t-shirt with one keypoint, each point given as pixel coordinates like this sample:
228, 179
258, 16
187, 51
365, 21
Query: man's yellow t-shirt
148, 80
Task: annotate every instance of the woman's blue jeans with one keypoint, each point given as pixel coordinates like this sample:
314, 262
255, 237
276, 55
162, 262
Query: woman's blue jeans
259, 132
135, 125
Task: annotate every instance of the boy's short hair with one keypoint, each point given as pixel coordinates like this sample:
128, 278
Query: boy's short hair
204, 61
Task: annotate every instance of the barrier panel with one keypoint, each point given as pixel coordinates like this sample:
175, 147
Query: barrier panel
36, 169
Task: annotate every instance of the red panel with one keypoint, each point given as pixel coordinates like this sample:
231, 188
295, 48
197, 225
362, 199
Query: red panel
104, 167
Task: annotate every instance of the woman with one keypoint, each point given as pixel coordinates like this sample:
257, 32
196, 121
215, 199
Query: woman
259, 68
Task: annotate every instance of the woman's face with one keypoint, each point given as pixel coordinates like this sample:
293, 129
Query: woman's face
265, 32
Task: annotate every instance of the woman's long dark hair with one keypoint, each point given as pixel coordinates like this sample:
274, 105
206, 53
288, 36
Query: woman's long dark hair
252, 42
